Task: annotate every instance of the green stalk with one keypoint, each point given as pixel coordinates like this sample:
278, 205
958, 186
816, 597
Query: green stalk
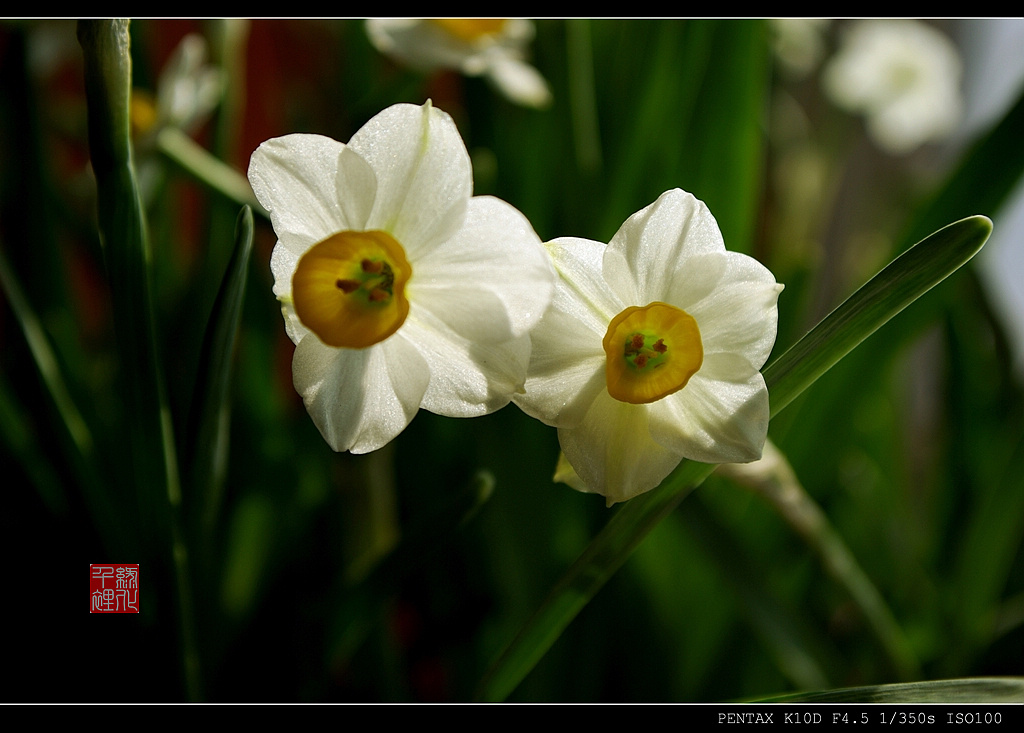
207, 169
106, 48
206, 447
773, 479
582, 99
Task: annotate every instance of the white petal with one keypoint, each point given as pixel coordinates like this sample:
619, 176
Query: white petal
311, 187
613, 452
567, 369
424, 177
517, 32
643, 256
360, 399
720, 416
566, 474
282, 264
422, 45
467, 379
490, 282
578, 263
740, 315
567, 363
518, 81
688, 285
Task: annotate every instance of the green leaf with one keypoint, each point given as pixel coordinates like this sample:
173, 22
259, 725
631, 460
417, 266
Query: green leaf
603, 556
720, 104
17, 434
726, 168
981, 689
122, 227
218, 176
207, 434
899, 284
78, 446
982, 181
105, 44
46, 361
886, 294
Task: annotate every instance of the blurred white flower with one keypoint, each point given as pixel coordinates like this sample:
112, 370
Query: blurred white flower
650, 351
904, 76
400, 288
490, 47
189, 88
798, 43
187, 92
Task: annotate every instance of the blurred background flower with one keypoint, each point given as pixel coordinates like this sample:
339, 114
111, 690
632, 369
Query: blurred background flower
491, 47
798, 44
904, 76
187, 92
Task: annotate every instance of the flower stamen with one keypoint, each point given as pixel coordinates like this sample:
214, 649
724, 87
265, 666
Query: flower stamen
350, 288
641, 367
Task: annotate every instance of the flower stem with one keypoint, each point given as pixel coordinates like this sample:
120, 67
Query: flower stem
207, 169
122, 227
773, 479
586, 133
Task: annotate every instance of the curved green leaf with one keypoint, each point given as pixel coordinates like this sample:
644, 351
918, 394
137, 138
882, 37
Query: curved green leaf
207, 435
981, 689
207, 169
899, 284
122, 227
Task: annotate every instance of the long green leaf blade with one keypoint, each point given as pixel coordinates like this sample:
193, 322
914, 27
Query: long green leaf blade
899, 284
890, 291
46, 361
983, 180
980, 689
195, 160
107, 59
105, 44
206, 450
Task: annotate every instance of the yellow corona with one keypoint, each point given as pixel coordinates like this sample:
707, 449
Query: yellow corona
652, 351
349, 289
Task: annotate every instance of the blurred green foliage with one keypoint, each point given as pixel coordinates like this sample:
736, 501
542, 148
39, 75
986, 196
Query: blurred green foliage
401, 575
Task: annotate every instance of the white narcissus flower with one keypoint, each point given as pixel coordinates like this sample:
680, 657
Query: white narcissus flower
798, 43
651, 350
400, 288
904, 76
490, 47
189, 89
